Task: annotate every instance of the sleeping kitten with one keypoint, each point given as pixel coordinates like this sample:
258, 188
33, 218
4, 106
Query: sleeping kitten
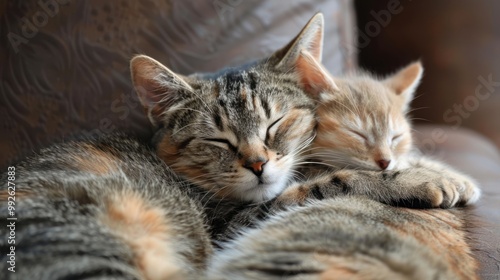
363, 124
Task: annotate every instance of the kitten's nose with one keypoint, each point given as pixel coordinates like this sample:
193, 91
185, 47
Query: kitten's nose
383, 164
257, 167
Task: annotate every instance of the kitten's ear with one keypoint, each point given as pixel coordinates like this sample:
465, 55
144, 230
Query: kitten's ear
156, 86
406, 81
314, 78
310, 39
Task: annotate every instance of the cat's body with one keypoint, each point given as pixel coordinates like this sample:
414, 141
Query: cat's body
111, 208
350, 238
132, 218
104, 208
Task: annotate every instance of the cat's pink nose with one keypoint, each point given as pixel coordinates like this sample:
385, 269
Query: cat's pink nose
257, 167
383, 164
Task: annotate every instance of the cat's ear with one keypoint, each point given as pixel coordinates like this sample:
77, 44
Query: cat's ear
314, 78
406, 81
303, 56
310, 39
156, 86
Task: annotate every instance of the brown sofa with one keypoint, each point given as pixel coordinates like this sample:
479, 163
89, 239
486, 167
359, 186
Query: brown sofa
64, 69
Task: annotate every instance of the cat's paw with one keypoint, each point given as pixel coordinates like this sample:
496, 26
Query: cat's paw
444, 189
467, 188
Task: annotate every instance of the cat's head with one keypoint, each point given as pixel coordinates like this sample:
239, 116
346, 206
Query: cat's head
237, 133
363, 123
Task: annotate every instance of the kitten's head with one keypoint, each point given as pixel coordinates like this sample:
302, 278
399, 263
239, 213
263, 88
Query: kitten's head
237, 133
363, 123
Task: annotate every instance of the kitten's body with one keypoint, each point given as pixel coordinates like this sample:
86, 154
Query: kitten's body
111, 208
364, 124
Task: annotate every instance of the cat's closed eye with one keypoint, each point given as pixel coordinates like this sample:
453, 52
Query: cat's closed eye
359, 134
397, 137
270, 127
225, 143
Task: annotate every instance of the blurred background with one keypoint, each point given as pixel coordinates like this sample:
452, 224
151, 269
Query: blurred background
458, 42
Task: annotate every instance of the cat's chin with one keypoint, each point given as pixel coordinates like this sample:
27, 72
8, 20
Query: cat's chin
263, 191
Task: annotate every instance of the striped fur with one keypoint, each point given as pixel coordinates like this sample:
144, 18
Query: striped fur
228, 121
350, 238
105, 208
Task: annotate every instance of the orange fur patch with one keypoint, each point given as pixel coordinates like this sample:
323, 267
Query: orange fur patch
297, 194
295, 126
168, 152
360, 268
322, 142
326, 123
290, 120
313, 77
96, 161
440, 231
19, 194
343, 175
337, 273
145, 229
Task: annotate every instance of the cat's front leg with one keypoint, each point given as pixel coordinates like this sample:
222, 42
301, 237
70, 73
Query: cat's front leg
466, 186
415, 187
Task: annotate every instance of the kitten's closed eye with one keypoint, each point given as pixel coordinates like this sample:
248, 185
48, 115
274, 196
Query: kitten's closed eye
397, 137
359, 134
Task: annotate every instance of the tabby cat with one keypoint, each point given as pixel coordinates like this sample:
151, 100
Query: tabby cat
227, 145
